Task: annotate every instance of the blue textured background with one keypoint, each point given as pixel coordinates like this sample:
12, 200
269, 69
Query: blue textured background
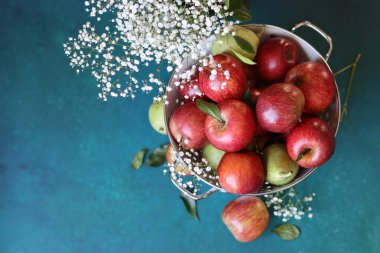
65, 178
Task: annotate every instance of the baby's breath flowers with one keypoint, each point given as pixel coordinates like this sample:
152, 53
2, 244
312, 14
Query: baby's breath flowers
143, 33
288, 204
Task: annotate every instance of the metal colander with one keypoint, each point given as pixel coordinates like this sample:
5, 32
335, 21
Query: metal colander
307, 53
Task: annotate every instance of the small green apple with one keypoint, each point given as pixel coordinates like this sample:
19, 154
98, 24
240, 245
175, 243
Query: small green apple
212, 155
157, 116
227, 43
280, 168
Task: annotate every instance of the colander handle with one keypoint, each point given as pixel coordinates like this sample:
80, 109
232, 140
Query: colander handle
318, 30
189, 194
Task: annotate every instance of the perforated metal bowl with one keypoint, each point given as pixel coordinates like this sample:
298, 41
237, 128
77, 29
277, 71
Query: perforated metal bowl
307, 53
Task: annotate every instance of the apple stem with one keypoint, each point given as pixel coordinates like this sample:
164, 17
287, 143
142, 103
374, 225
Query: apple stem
345, 105
303, 153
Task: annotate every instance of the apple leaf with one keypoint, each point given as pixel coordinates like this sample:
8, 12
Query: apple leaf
287, 231
244, 45
228, 4
240, 10
243, 58
138, 159
209, 108
191, 206
157, 157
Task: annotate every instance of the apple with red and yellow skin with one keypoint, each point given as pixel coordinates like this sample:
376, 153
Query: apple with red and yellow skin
311, 142
190, 91
241, 173
224, 78
171, 158
187, 126
236, 129
317, 84
279, 107
246, 217
275, 57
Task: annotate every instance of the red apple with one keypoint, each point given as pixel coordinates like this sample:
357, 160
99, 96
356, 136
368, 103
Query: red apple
190, 91
187, 126
317, 84
275, 57
236, 129
171, 158
246, 217
312, 142
279, 107
224, 78
241, 173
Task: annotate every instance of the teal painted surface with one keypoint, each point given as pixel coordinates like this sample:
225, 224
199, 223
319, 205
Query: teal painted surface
65, 181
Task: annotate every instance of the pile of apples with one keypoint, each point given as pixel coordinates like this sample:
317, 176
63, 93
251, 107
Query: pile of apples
261, 121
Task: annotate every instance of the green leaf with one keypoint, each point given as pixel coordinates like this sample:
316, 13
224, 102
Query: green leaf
138, 158
228, 4
287, 231
240, 10
244, 45
191, 206
209, 108
243, 58
157, 157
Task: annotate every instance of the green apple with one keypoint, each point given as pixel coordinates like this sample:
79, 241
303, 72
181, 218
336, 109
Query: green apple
212, 155
157, 116
280, 168
227, 43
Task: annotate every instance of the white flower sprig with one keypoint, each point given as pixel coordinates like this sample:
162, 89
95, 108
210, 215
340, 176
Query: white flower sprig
144, 33
288, 204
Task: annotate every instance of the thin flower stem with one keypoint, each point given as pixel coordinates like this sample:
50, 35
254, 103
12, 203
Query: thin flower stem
343, 70
345, 105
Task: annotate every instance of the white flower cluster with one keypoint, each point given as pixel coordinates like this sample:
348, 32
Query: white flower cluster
144, 33
287, 205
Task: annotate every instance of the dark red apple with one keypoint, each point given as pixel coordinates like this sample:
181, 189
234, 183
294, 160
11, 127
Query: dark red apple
224, 78
190, 91
187, 126
275, 57
317, 84
311, 142
241, 173
236, 129
246, 217
279, 107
